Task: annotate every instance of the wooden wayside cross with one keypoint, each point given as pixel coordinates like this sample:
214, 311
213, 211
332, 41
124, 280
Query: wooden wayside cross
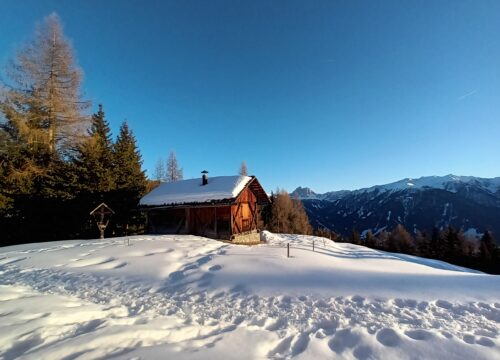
102, 214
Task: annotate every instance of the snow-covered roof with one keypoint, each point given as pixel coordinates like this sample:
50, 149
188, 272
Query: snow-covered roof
192, 191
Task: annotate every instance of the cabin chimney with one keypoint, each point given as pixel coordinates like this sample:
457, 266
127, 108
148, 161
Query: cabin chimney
204, 177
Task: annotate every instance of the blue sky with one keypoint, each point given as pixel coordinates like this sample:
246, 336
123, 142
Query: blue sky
327, 94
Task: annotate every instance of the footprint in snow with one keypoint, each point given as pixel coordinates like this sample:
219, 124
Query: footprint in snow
402, 303
444, 304
280, 323
215, 268
300, 344
422, 306
343, 339
363, 352
469, 339
203, 260
418, 334
176, 276
487, 333
358, 299
446, 334
388, 337
485, 342
282, 347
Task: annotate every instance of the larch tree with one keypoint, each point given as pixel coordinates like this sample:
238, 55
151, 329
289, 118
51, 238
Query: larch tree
173, 171
43, 104
287, 215
43, 118
243, 169
400, 240
159, 172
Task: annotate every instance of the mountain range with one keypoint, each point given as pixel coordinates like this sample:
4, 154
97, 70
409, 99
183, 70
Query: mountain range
465, 202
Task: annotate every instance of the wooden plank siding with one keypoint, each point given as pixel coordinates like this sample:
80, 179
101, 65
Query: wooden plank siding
244, 213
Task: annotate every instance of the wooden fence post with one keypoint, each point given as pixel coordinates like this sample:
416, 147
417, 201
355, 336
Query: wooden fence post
288, 250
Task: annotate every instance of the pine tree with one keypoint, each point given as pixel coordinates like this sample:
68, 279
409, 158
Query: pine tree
243, 169
131, 182
422, 244
174, 172
128, 162
486, 247
452, 244
435, 246
94, 157
43, 105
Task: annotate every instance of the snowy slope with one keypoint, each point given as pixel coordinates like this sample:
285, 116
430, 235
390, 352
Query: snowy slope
190, 297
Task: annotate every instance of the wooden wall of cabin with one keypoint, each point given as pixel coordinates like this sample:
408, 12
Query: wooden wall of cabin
245, 213
165, 221
212, 221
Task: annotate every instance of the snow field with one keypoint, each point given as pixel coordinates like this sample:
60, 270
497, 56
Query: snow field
191, 297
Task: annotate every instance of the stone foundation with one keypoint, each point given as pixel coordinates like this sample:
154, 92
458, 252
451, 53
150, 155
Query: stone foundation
247, 239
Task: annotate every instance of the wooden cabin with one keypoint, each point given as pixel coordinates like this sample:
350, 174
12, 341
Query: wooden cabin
222, 207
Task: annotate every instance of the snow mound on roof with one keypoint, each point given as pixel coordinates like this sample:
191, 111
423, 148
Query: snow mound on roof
192, 191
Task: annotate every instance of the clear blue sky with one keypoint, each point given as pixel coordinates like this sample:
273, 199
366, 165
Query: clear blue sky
326, 94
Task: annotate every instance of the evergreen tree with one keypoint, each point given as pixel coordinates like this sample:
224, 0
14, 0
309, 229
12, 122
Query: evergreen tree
422, 244
243, 169
435, 246
131, 182
486, 248
128, 162
452, 244
174, 172
94, 157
